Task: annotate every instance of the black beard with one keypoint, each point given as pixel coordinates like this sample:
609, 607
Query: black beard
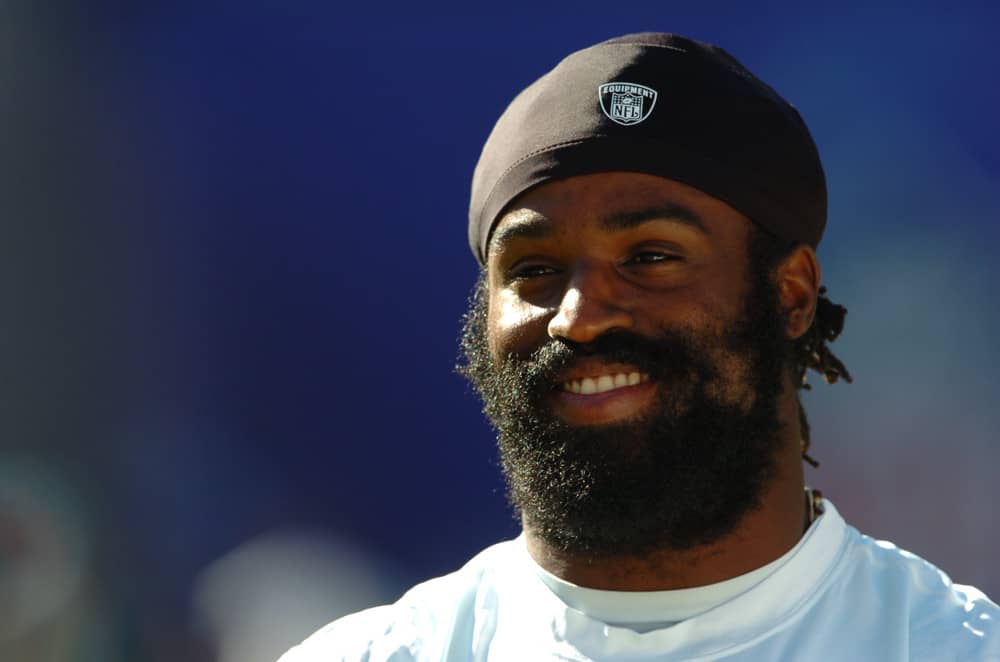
681, 476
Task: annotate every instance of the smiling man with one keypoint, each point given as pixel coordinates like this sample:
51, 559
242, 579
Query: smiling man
646, 216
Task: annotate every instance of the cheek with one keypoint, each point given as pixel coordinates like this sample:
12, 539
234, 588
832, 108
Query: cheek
733, 385
515, 326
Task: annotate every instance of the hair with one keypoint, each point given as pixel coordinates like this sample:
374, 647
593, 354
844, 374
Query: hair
809, 351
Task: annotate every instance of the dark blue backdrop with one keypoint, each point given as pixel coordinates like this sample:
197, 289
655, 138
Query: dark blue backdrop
241, 260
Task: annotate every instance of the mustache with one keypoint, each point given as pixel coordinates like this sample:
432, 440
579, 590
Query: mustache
669, 355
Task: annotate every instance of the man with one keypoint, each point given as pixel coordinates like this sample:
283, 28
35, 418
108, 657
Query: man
646, 216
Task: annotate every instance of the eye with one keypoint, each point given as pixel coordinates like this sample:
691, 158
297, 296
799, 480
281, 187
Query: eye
653, 257
529, 271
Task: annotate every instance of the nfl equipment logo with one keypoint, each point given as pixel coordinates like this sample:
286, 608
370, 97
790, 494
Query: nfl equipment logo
626, 103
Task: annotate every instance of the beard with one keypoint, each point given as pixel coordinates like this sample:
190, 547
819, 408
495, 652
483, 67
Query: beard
682, 474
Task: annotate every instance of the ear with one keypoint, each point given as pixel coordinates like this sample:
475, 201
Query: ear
797, 277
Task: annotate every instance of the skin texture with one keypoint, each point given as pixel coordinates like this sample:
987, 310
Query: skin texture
586, 256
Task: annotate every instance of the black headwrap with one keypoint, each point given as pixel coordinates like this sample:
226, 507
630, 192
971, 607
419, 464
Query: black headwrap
662, 105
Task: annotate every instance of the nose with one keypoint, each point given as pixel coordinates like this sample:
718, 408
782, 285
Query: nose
590, 307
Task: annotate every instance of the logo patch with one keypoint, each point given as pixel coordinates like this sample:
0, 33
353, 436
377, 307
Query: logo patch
626, 103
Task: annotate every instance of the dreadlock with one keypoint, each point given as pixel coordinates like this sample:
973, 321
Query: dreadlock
809, 351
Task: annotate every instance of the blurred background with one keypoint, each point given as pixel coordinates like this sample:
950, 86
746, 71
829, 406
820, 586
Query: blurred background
233, 261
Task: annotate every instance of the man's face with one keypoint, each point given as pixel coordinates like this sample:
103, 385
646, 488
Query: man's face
631, 362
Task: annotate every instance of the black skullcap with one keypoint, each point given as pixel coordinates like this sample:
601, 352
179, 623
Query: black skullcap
663, 105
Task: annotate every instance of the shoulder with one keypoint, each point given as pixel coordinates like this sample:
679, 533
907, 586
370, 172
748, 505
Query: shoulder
945, 620
420, 625
961, 623
352, 638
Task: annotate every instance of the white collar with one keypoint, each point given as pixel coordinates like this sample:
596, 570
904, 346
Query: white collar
643, 611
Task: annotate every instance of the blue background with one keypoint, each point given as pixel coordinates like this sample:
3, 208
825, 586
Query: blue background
234, 263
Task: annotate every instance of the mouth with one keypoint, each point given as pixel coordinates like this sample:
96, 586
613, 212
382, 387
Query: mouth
593, 393
604, 383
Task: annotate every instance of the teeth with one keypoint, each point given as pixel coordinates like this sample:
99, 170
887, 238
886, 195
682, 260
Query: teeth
603, 383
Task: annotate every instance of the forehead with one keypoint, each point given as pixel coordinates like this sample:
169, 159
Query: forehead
614, 201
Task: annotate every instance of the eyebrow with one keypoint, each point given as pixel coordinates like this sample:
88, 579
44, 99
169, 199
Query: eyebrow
536, 226
670, 212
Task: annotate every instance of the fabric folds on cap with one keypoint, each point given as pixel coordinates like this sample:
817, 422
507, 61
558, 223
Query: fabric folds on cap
663, 105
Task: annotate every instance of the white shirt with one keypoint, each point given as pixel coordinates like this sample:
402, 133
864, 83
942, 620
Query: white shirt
837, 596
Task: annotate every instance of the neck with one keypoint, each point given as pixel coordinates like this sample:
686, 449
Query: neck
764, 534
